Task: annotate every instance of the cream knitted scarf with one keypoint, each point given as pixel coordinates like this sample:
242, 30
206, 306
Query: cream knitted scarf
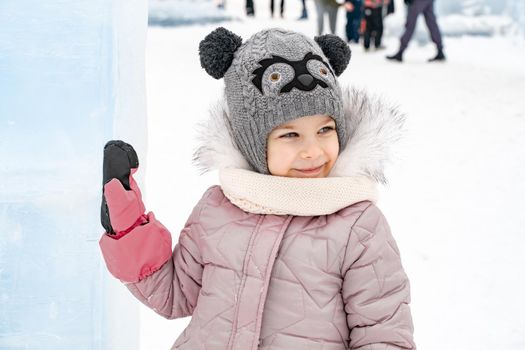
266, 194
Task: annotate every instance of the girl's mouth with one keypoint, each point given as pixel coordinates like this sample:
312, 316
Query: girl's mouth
311, 171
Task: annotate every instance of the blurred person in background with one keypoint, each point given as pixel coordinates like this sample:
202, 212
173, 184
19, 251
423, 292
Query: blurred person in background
415, 8
250, 10
354, 14
390, 8
304, 13
374, 23
281, 8
330, 7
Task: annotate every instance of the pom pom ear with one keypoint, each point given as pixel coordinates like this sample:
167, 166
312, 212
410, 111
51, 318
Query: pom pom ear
336, 50
216, 51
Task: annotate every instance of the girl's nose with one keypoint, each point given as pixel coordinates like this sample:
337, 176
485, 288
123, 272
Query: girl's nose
311, 150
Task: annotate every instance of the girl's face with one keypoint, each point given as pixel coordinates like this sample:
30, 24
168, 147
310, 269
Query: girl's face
304, 147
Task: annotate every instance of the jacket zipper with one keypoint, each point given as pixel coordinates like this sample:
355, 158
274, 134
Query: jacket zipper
243, 281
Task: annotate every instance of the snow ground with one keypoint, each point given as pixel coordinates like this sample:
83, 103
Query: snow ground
455, 198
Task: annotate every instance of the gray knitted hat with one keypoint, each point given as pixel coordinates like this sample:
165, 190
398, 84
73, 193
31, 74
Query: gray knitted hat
275, 76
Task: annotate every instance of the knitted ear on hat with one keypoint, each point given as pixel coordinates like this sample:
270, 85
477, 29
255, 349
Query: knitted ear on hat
216, 51
336, 50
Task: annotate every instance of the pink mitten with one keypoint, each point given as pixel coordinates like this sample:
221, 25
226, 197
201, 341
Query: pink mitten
122, 207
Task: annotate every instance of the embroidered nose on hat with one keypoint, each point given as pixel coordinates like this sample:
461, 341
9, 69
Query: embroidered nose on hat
306, 80
275, 76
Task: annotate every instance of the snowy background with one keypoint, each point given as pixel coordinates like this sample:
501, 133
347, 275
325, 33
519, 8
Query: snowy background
454, 200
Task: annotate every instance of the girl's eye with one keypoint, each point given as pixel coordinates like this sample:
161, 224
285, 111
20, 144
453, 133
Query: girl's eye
323, 71
327, 129
289, 135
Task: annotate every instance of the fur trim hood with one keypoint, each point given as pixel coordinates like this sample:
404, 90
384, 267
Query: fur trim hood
373, 124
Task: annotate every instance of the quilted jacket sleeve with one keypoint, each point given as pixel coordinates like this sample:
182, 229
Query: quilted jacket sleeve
376, 290
173, 290
167, 283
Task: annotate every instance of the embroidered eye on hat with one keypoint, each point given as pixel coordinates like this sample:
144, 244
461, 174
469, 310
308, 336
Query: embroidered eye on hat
274, 77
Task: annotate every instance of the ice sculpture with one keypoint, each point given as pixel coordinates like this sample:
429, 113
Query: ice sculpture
71, 78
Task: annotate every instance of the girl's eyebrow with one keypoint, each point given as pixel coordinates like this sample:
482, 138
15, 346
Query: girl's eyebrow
325, 121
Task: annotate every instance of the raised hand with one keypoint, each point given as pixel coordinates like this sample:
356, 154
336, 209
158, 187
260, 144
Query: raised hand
122, 204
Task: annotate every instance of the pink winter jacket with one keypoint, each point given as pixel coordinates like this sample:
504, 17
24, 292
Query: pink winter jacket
252, 279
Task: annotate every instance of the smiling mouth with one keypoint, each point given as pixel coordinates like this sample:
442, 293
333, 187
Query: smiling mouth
311, 170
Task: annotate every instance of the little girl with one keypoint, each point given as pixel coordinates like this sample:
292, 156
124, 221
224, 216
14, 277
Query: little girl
289, 252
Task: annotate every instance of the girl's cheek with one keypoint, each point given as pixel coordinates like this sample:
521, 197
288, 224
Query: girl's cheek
291, 151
